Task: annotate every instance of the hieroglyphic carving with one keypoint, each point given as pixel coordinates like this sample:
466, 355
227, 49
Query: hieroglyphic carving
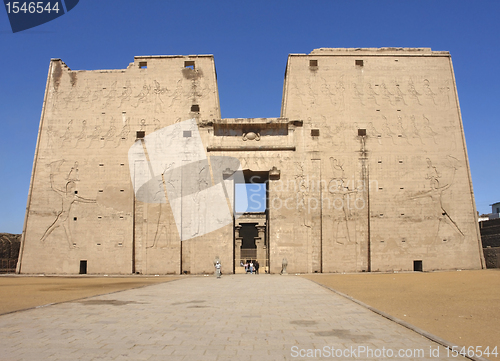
143, 96
415, 132
372, 132
109, 134
386, 94
399, 95
52, 137
73, 173
445, 92
126, 94
96, 134
124, 133
371, 94
158, 92
82, 137
427, 129
358, 95
386, 129
67, 137
413, 93
428, 91
110, 96
402, 132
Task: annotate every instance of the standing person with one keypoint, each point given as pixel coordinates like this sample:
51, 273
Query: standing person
217, 269
256, 267
251, 267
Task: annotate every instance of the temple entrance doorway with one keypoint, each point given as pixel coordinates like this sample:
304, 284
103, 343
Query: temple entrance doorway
251, 223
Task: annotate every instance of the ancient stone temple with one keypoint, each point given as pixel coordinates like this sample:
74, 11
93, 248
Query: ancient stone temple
366, 169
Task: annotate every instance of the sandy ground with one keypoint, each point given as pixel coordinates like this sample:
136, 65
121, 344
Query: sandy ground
22, 292
462, 307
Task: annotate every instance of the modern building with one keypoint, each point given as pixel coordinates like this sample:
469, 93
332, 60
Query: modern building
366, 169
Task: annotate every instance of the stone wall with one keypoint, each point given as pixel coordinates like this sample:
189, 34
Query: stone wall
9, 251
366, 168
492, 257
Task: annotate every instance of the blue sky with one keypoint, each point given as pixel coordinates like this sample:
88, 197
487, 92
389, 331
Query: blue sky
250, 41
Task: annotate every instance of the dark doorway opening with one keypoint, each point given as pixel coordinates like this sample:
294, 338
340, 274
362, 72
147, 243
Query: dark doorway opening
83, 267
417, 266
251, 221
248, 233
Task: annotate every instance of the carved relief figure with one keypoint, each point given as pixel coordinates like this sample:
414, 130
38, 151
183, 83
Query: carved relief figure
126, 94
158, 91
438, 185
123, 136
371, 94
357, 93
68, 134
82, 137
428, 91
399, 96
68, 196
96, 134
412, 92
386, 94
109, 134
344, 224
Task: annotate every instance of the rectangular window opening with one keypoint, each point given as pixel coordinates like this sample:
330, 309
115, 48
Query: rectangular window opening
83, 267
140, 134
314, 132
313, 63
143, 64
195, 108
189, 64
417, 266
186, 134
359, 62
361, 132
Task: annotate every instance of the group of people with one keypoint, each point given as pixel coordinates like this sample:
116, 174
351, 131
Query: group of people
251, 266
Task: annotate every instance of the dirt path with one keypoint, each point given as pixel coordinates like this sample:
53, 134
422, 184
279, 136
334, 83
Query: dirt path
22, 292
462, 307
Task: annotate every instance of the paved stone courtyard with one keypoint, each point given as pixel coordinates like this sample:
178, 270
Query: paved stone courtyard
204, 318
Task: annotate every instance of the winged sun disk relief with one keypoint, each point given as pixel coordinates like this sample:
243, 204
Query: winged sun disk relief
251, 136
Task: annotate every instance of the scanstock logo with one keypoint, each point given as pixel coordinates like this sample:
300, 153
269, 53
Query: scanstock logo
171, 164
28, 14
